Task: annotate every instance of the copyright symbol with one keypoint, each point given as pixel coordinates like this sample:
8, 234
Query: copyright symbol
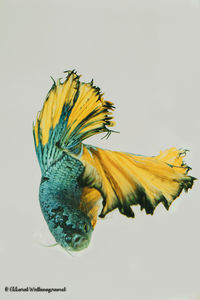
6, 289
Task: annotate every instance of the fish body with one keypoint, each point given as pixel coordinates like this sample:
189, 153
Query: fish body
60, 195
81, 182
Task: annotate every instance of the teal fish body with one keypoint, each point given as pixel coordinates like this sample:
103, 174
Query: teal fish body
59, 197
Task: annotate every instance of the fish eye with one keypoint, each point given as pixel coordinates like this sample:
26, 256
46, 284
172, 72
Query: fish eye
85, 227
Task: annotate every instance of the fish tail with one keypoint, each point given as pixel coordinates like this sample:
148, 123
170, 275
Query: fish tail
72, 112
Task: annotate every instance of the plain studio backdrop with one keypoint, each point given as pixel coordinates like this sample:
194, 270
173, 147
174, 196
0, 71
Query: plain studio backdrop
145, 57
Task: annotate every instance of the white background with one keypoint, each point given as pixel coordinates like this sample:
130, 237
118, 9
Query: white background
145, 57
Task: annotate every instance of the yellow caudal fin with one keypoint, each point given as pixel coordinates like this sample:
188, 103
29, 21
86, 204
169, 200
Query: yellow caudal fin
125, 179
90, 115
72, 112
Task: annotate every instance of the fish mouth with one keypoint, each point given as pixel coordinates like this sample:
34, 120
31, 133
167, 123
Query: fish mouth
78, 243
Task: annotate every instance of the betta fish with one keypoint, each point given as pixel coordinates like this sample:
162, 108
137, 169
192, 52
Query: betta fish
80, 182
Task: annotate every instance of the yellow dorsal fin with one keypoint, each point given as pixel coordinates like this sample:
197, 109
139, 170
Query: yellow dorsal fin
125, 179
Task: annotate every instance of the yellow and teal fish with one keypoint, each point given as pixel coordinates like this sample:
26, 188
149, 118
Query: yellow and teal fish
81, 182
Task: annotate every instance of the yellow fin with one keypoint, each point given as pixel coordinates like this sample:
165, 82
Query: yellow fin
72, 112
125, 179
90, 204
60, 95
